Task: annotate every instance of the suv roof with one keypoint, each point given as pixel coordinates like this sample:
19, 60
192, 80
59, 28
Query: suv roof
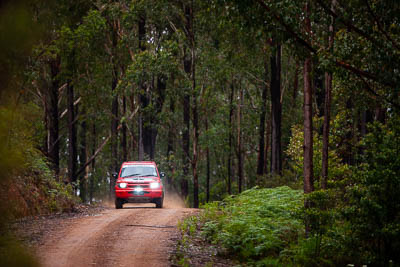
139, 163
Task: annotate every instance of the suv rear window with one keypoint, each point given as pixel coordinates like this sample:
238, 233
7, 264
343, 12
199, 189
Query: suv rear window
138, 170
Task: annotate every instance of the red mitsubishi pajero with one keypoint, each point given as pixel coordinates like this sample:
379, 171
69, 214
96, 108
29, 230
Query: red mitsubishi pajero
139, 182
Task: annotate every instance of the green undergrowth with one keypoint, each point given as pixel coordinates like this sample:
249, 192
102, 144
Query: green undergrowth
28, 186
34, 190
255, 228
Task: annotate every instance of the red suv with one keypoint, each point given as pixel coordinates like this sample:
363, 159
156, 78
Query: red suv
139, 182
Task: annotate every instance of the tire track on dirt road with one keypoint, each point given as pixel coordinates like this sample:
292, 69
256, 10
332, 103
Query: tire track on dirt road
138, 235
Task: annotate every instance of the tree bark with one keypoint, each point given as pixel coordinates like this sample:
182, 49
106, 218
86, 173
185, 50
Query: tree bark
276, 112
261, 142
143, 99
83, 159
72, 139
191, 72
53, 151
187, 65
208, 167
114, 136
327, 109
195, 150
380, 114
240, 142
147, 125
267, 145
114, 112
308, 123
133, 142
230, 174
319, 94
171, 142
45, 147
295, 84
158, 104
124, 143
186, 143
93, 164
308, 170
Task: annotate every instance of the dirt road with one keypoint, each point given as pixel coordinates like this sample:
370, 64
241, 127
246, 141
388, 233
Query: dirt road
137, 235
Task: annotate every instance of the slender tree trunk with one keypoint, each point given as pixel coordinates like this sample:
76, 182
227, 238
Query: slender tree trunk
308, 170
170, 146
276, 112
327, 109
194, 95
93, 164
240, 142
134, 144
308, 123
261, 143
53, 140
46, 115
171, 142
124, 143
295, 84
319, 95
348, 154
187, 64
230, 174
114, 137
72, 139
143, 99
366, 117
185, 143
380, 114
195, 151
83, 159
158, 104
149, 121
267, 145
140, 148
114, 119
325, 137
208, 167
147, 127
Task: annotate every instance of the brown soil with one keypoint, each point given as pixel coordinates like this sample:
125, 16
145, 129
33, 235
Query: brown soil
137, 235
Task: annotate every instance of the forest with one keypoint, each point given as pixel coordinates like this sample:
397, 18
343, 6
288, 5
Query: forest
225, 95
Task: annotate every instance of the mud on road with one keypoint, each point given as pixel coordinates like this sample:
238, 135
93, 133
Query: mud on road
137, 235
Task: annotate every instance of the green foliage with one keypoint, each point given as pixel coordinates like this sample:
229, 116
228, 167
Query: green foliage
356, 221
256, 225
337, 170
28, 184
374, 210
322, 245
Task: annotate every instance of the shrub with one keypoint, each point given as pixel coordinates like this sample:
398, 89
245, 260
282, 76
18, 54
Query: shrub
256, 225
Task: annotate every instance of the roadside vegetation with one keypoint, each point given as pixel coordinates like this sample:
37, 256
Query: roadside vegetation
353, 223
258, 226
